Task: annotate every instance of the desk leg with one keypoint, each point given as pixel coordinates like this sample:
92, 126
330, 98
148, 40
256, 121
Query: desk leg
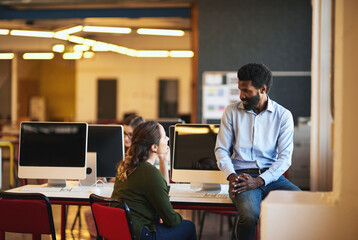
63, 222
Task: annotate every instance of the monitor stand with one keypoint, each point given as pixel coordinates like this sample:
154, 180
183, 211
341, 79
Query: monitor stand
56, 183
205, 186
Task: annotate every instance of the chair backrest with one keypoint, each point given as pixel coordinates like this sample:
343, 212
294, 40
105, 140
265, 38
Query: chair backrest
112, 223
26, 213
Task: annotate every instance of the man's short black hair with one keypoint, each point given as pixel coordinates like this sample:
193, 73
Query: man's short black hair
258, 73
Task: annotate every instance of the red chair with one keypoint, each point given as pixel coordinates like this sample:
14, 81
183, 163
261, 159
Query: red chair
111, 223
29, 213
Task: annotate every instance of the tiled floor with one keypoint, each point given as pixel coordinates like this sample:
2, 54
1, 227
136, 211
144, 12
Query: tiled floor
211, 229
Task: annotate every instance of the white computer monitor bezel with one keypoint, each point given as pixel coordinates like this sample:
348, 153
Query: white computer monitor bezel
50, 172
194, 175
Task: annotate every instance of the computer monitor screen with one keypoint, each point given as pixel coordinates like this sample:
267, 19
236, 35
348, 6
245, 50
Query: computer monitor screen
54, 151
107, 142
167, 122
193, 154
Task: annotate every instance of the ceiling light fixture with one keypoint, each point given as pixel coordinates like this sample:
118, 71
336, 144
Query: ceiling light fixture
101, 47
28, 33
42, 56
81, 48
146, 53
58, 48
183, 54
6, 55
89, 42
76, 39
107, 29
71, 30
164, 32
4, 31
88, 55
71, 56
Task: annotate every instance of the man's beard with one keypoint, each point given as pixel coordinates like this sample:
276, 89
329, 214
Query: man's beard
251, 102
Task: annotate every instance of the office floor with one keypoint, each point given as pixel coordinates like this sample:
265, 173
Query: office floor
211, 227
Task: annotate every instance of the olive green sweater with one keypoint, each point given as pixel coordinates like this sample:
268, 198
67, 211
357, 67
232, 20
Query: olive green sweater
146, 193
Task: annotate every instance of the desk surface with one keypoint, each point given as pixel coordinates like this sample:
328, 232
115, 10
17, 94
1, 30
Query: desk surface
81, 197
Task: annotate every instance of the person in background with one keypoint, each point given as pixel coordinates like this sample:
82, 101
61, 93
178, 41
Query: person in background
254, 146
145, 188
129, 124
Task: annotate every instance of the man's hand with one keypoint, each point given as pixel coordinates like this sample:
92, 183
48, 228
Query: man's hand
245, 182
233, 179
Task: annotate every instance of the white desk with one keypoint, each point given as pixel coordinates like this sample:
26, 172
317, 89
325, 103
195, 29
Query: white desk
65, 198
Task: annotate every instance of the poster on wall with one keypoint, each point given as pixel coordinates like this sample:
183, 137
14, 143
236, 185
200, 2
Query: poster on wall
219, 90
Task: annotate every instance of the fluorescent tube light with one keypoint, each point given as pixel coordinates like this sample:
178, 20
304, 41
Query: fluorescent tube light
4, 31
71, 30
101, 46
183, 54
107, 29
76, 39
76, 55
58, 48
89, 42
88, 55
6, 55
131, 52
146, 53
164, 32
28, 33
61, 36
80, 48
38, 56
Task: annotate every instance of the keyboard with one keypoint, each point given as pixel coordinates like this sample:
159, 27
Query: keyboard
198, 194
45, 189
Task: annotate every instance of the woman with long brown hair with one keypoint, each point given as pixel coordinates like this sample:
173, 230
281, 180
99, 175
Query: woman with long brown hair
145, 189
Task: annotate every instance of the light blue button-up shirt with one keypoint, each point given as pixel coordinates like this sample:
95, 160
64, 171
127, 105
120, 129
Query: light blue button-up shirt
263, 140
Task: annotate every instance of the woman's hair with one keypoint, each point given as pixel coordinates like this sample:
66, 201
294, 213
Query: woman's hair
133, 120
144, 136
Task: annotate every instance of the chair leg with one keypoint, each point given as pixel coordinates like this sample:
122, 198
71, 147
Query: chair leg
234, 228
78, 216
201, 225
221, 224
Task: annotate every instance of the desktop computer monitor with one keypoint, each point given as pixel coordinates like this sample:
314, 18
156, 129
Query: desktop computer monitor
52, 150
193, 155
107, 142
167, 122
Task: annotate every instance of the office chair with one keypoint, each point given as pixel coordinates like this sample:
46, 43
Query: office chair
111, 223
26, 213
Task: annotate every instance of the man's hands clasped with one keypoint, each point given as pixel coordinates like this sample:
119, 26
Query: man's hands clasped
244, 182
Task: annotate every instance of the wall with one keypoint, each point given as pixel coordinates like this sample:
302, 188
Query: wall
52, 79
138, 83
235, 32
332, 215
5, 90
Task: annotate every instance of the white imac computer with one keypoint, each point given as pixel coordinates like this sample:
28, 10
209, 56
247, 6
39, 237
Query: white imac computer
193, 156
107, 142
53, 150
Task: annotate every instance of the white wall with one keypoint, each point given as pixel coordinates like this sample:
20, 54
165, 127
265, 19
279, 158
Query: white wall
331, 215
137, 83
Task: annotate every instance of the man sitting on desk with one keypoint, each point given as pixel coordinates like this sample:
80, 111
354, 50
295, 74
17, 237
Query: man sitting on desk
254, 146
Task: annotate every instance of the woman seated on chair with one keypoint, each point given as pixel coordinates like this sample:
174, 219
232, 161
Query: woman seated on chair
145, 189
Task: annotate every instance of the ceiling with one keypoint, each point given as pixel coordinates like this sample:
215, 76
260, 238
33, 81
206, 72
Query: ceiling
23, 7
